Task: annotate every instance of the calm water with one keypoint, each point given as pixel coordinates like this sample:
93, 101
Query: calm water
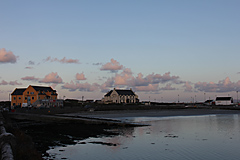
181, 138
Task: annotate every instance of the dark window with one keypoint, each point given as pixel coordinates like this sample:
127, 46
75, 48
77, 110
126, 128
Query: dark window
32, 98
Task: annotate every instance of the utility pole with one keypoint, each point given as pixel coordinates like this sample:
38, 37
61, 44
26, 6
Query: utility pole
237, 97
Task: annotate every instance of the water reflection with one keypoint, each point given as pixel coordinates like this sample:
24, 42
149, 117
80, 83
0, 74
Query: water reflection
192, 137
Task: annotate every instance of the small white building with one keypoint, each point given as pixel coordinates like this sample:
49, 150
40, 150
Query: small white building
120, 96
224, 101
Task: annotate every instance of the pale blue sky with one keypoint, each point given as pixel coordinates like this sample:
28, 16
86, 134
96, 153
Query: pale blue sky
196, 41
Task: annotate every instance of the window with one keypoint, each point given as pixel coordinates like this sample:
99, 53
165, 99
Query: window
32, 98
14, 98
25, 98
28, 92
32, 92
19, 97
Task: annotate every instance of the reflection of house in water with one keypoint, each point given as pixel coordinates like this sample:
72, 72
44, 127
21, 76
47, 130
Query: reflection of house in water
36, 96
126, 136
120, 96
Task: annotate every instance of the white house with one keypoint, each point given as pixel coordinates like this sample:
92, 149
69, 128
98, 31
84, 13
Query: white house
224, 101
120, 96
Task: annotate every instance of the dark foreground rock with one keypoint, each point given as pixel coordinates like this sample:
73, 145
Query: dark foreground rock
35, 138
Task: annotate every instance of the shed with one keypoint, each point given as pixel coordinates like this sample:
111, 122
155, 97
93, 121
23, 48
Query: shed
224, 101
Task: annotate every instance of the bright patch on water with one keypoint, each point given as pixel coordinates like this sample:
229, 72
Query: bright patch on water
168, 138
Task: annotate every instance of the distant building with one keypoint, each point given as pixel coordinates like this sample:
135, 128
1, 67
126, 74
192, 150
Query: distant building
209, 102
38, 95
224, 101
120, 96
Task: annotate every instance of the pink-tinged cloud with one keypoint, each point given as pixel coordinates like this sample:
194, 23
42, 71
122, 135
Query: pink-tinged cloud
168, 87
30, 78
148, 88
4, 82
222, 86
28, 67
80, 76
124, 78
81, 86
188, 87
64, 60
112, 66
14, 83
51, 78
7, 56
140, 82
107, 85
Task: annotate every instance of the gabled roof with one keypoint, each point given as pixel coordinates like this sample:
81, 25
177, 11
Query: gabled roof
121, 92
124, 92
40, 88
223, 98
18, 91
109, 93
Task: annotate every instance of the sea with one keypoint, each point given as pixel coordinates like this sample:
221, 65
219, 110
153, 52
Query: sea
205, 137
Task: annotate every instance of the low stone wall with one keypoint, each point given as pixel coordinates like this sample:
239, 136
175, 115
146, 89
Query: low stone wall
7, 142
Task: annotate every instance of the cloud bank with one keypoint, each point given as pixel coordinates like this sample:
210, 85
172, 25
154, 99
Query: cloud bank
222, 86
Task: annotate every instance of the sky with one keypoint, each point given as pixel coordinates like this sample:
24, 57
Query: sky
164, 50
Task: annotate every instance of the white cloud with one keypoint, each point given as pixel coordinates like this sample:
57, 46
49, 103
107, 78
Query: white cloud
112, 66
14, 83
63, 60
7, 56
168, 87
51, 78
188, 87
80, 76
4, 82
30, 78
81, 86
222, 86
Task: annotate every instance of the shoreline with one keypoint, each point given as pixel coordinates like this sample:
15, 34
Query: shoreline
47, 134
154, 113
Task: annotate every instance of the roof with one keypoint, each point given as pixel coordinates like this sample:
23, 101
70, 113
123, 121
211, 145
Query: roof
40, 88
109, 93
121, 92
125, 92
223, 98
18, 91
